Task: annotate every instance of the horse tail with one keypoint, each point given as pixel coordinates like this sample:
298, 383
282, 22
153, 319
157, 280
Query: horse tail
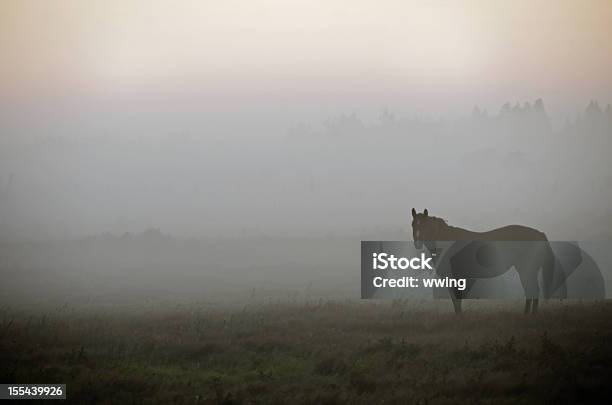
548, 270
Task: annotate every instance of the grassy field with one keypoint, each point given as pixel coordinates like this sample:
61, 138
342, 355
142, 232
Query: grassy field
314, 352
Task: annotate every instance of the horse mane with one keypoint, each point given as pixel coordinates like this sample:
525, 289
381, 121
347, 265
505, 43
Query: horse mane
439, 221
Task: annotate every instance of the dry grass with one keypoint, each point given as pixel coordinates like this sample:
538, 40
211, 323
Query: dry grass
323, 352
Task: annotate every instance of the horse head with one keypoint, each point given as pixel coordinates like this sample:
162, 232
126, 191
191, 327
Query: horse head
425, 228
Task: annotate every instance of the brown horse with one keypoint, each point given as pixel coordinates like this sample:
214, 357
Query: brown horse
526, 258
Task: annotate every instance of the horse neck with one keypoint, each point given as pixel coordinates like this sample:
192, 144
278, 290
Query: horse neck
454, 233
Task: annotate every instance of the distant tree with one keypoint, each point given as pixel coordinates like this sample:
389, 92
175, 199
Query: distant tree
387, 118
476, 113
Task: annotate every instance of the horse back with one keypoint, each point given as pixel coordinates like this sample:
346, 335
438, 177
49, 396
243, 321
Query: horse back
513, 233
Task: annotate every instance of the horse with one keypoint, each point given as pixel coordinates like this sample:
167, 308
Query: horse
528, 257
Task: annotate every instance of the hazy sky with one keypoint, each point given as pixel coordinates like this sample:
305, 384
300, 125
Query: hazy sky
425, 56
221, 70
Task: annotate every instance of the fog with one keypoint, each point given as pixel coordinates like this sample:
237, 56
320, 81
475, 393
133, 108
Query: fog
340, 177
183, 215
175, 147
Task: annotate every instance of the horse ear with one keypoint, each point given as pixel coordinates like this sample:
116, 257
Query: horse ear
425, 212
413, 213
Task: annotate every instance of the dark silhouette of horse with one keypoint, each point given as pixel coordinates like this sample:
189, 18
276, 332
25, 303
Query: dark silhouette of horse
489, 254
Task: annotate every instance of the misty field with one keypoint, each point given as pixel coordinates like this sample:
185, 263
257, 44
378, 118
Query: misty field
314, 352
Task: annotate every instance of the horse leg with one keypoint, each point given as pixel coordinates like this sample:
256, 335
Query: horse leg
527, 305
529, 280
457, 305
456, 300
534, 307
